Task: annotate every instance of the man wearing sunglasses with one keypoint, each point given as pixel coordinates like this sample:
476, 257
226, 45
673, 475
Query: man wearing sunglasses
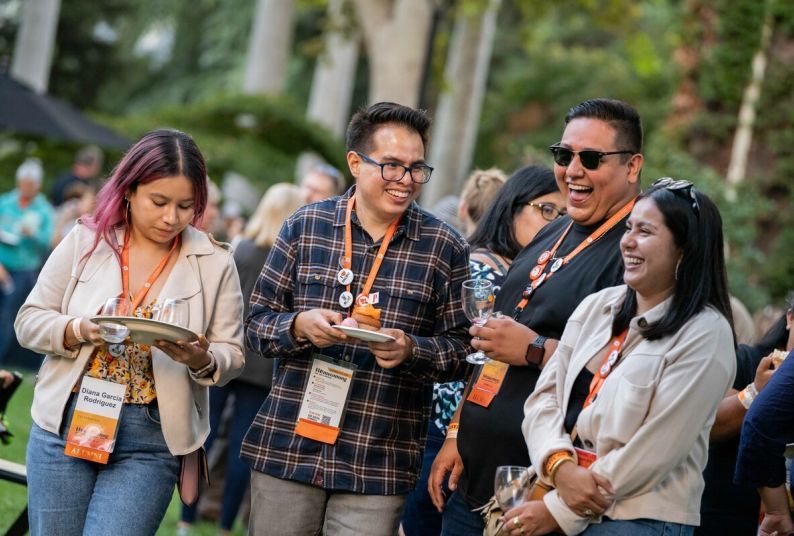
597, 168
336, 446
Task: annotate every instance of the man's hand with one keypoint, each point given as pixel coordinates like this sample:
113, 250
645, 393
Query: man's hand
390, 354
315, 325
579, 489
763, 373
503, 339
447, 460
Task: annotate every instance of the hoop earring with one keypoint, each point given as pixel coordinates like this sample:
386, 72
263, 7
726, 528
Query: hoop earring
127, 211
677, 266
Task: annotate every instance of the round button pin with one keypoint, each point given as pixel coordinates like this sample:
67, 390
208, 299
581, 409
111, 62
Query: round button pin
345, 276
346, 299
556, 265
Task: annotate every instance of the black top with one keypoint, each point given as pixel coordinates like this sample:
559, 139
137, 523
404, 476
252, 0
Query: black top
727, 508
249, 259
490, 437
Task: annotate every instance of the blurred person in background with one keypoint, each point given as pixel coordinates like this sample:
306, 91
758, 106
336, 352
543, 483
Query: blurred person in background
248, 391
767, 428
322, 182
81, 203
525, 203
26, 222
728, 508
477, 195
446, 210
85, 172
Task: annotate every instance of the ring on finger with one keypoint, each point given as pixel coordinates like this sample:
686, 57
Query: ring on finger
588, 513
517, 522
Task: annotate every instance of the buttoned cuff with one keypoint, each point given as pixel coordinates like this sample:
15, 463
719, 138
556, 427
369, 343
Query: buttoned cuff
285, 338
569, 522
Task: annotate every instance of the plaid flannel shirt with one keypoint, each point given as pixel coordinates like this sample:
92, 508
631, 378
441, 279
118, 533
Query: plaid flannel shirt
382, 434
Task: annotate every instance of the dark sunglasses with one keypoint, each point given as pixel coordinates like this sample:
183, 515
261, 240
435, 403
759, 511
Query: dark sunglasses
548, 211
589, 159
679, 187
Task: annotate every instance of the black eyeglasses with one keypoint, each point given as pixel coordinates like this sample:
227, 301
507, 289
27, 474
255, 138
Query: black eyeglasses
684, 188
394, 172
589, 159
548, 211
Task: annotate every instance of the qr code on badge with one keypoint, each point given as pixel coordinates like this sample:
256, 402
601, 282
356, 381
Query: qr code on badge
326, 419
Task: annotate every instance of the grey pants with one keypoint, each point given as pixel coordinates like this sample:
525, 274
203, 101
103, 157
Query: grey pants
287, 508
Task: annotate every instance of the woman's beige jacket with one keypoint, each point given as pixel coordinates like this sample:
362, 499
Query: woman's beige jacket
71, 286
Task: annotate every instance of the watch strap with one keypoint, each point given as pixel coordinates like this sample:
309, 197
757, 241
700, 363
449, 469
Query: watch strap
536, 351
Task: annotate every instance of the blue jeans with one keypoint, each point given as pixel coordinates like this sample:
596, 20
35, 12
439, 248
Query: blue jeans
420, 517
127, 497
459, 520
248, 398
638, 527
9, 306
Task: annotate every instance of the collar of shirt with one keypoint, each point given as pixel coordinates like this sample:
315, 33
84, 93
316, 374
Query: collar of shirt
653, 315
410, 226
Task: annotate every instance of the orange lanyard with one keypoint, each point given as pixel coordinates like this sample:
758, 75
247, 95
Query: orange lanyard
347, 260
125, 272
611, 357
538, 275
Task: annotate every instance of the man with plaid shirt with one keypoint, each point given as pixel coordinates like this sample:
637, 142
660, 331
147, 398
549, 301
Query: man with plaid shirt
356, 478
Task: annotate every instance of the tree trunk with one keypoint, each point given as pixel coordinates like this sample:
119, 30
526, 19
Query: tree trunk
334, 74
35, 43
743, 138
270, 47
396, 34
458, 115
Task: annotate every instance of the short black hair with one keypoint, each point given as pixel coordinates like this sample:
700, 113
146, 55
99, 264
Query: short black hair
496, 229
701, 276
620, 115
366, 121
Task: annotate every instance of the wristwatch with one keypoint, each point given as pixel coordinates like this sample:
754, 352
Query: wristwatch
536, 351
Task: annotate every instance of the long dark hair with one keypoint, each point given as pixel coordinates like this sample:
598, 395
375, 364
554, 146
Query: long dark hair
496, 230
696, 226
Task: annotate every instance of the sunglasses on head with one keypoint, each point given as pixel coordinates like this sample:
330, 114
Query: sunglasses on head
589, 159
681, 188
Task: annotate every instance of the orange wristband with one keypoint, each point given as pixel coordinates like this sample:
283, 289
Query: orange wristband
555, 457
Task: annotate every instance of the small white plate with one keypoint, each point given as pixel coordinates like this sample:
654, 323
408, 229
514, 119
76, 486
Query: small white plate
146, 331
365, 334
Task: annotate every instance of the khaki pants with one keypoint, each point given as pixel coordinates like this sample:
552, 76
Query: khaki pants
287, 508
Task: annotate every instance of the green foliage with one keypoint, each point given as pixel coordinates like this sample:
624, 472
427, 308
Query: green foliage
258, 137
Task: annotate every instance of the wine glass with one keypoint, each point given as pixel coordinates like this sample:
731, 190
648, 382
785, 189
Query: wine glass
478, 297
510, 486
114, 332
175, 312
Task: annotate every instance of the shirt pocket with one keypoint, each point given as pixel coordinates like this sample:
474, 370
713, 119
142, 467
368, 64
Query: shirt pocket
317, 288
627, 411
408, 305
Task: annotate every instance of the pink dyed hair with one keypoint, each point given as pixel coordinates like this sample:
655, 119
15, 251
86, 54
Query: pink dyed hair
158, 154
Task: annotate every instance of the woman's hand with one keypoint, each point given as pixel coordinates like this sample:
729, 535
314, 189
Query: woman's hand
192, 354
503, 339
776, 525
447, 460
578, 488
528, 519
90, 332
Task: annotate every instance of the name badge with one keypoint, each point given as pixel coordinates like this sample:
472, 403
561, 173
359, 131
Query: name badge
585, 457
325, 399
489, 382
92, 434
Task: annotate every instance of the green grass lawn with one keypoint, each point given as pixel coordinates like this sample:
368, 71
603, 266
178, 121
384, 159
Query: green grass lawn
13, 497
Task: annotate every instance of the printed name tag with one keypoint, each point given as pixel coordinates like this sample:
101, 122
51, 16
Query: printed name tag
488, 383
92, 435
324, 400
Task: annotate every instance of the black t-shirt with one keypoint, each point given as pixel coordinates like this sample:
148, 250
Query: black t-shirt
490, 437
727, 508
